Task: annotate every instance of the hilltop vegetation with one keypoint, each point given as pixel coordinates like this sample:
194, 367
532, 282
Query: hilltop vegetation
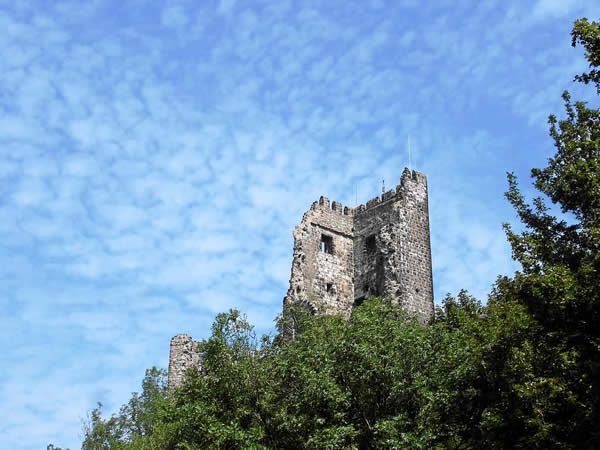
522, 371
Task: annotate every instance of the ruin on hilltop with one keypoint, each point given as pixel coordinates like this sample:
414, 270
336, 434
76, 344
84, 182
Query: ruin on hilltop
344, 255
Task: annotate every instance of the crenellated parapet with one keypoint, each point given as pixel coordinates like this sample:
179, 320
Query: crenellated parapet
325, 205
411, 183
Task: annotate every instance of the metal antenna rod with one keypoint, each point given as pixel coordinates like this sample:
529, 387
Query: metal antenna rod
409, 159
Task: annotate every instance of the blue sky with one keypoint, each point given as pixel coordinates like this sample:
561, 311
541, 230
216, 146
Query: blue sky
155, 157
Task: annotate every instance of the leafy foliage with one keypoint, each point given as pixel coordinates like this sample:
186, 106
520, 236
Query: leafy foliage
588, 34
378, 380
519, 372
560, 280
135, 421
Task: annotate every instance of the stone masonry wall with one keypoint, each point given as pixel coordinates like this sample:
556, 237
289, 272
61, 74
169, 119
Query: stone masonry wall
322, 266
183, 356
392, 253
415, 265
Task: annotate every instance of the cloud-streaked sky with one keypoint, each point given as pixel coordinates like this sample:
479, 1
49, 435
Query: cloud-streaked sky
155, 157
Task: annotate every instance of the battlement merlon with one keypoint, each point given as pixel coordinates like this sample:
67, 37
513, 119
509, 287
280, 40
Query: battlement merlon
413, 176
413, 184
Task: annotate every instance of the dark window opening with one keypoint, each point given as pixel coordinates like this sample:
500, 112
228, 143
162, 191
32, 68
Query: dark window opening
370, 245
298, 289
327, 244
371, 290
329, 287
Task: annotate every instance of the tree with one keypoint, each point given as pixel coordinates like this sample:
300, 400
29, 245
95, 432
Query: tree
588, 35
224, 405
559, 283
136, 419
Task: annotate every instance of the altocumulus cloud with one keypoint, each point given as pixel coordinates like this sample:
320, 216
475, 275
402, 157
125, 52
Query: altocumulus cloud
154, 160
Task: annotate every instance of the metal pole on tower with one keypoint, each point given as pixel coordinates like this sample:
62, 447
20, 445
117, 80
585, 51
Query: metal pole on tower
409, 159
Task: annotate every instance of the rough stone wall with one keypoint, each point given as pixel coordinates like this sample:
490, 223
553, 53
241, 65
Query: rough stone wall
183, 356
392, 252
376, 249
322, 267
415, 265
379, 249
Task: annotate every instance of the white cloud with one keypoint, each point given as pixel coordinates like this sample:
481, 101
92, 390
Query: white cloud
14, 128
225, 6
31, 192
555, 8
80, 166
174, 16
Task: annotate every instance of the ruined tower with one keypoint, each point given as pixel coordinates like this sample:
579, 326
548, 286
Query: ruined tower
344, 255
182, 356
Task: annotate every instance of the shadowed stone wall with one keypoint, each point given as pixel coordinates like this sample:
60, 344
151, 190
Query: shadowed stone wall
392, 253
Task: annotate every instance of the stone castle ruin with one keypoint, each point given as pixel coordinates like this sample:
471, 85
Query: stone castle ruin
343, 256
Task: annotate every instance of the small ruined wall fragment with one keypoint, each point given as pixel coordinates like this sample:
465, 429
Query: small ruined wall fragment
182, 356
